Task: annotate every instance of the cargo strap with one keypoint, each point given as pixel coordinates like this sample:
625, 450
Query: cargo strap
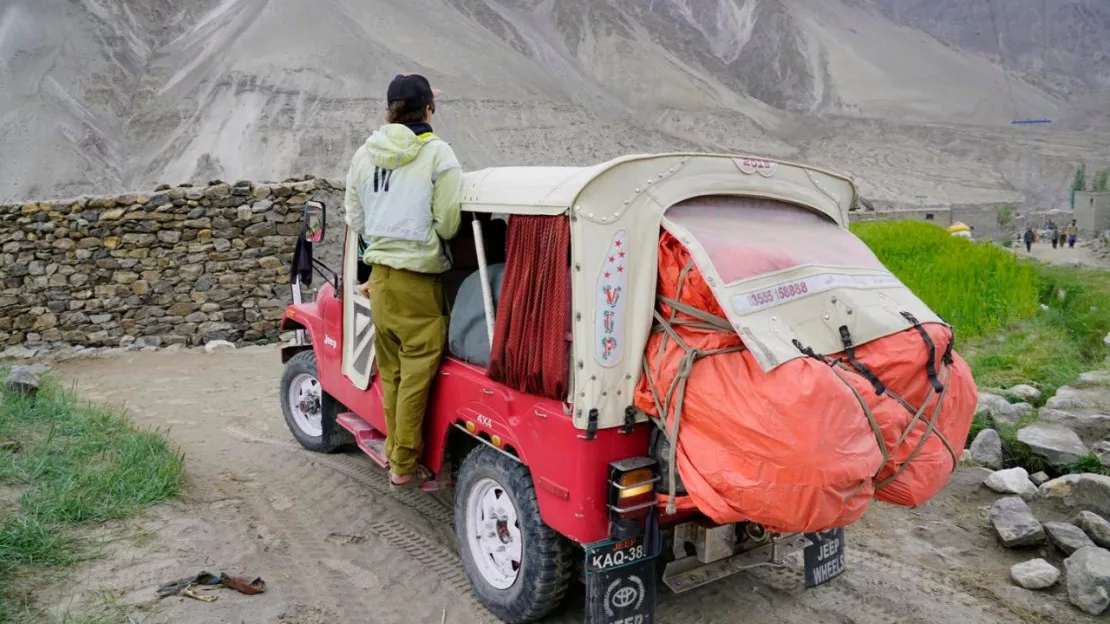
937, 389
676, 393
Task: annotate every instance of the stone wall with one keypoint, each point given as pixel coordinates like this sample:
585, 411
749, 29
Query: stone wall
183, 265
941, 216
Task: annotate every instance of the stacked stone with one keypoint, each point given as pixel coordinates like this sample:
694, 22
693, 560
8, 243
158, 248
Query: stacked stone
182, 265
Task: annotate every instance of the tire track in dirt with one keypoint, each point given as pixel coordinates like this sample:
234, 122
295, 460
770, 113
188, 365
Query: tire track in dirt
358, 469
346, 514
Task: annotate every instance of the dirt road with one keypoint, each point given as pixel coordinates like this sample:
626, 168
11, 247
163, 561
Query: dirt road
1079, 255
334, 545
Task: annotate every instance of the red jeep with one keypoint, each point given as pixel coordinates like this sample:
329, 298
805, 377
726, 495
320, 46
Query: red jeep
556, 475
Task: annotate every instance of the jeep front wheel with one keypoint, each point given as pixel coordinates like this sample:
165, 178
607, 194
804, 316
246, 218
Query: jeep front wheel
519, 567
309, 412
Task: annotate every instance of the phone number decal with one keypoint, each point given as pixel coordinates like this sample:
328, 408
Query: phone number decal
750, 302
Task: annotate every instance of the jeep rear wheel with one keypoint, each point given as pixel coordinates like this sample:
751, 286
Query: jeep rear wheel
309, 412
519, 567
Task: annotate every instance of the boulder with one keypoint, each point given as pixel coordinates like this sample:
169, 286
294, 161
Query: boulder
1012, 481
1020, 410
1035, 574
1056, 443
1039, 478
1094, 378
23, 380
1075, 399
986, 450
1088, 491
1025, 392
1067, 537
1014, 523
1095, 526
997, 408
1088, 572
1090, 427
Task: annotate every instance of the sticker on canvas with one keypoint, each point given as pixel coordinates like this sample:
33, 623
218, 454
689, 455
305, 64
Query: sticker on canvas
612, 287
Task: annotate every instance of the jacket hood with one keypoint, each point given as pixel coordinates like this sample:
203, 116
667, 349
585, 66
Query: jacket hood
393, 146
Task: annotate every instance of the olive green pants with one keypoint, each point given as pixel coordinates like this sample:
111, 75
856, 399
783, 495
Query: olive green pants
410, 318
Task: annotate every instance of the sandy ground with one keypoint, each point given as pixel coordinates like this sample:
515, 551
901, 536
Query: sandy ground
334, 545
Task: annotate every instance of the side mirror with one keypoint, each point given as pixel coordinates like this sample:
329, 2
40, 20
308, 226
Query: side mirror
314, 222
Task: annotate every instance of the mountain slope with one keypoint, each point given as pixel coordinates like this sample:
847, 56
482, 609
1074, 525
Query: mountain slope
105, 95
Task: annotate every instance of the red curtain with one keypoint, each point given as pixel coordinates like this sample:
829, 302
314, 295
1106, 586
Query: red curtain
530, 348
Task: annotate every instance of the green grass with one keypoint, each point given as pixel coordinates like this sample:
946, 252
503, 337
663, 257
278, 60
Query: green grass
78, 464
977, 287
993, 300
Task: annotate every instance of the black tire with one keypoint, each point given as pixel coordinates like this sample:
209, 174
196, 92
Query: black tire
546, 557
333, 437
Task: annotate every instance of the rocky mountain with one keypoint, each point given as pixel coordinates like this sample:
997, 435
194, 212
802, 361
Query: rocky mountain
109, 95
1059, 44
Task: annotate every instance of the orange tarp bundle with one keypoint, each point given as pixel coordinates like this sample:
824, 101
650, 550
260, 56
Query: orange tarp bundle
794, 449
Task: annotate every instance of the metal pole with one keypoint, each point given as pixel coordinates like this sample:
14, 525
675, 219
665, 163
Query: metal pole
483, 274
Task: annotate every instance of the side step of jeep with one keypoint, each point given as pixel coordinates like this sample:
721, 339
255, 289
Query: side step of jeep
372, 442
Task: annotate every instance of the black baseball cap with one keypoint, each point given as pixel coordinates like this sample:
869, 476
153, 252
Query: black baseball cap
412, 89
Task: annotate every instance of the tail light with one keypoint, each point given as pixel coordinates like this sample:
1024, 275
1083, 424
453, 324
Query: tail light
632, 487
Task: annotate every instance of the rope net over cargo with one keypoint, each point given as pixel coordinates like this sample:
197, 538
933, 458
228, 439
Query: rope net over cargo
807, 445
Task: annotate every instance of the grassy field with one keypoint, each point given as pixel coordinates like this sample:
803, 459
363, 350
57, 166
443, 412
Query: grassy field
997, 304
76, 464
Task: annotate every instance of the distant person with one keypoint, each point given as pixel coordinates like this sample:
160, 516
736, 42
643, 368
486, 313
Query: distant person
1029, 236
403, 193
1054, 232
1073, 233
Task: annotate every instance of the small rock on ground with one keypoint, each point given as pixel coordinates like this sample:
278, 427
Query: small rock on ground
1067, 537
1085, 491
1056, 443
1012, 481
1102, 451
1014, 523
1025, 392
986, 450
1021, 410
218, 345
23, 380
996, 407
1095, 526
1039, 478
1088, 573
1035, 574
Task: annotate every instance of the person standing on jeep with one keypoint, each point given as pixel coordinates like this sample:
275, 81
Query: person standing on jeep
403, 192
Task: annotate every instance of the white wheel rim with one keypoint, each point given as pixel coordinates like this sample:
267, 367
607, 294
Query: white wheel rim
493, 530
305, 404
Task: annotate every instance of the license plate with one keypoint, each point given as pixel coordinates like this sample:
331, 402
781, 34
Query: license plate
620, 583
611, 555
824, 557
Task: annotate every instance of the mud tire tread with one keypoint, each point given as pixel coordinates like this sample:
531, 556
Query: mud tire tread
547, 562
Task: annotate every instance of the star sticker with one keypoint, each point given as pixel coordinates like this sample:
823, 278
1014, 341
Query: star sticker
607, 275
620, 269
621, 254
612, 259
619, 243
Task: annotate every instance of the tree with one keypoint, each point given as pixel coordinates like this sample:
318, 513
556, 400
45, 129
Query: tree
1101, 181
1005, 213
1079, 183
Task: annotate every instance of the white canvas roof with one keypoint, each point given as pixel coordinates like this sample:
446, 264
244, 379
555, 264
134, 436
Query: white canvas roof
554, 190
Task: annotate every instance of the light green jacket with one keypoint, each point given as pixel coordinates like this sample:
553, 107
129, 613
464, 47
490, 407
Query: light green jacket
403, 194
